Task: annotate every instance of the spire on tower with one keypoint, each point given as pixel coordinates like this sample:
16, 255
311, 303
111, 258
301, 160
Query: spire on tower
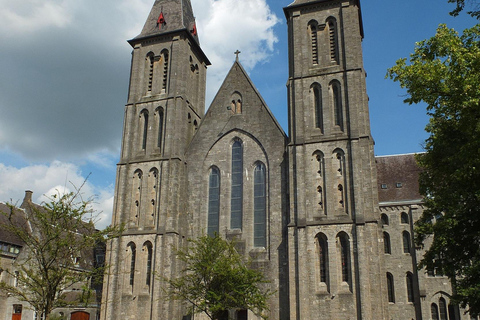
169, 16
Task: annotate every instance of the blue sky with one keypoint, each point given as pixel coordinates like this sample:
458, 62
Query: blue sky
65, 68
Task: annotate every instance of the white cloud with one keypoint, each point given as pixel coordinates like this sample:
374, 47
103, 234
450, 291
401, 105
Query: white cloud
229, 25
55, 178
31, 16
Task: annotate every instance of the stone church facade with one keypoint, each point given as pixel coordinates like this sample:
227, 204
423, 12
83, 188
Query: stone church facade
330, 225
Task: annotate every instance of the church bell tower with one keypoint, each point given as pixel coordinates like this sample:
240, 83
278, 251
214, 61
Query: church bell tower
333, 194
166, 103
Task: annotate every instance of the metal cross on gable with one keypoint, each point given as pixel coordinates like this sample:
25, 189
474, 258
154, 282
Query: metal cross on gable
237, 53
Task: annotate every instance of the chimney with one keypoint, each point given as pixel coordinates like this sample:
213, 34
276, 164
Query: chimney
28, 196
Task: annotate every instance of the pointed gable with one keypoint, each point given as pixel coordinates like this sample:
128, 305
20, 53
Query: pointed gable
238, 106
168, 16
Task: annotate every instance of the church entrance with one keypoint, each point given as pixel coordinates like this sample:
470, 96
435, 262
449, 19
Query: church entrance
80, 315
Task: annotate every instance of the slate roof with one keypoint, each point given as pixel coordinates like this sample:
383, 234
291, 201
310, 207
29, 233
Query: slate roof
18, 219
398, 169
178, 15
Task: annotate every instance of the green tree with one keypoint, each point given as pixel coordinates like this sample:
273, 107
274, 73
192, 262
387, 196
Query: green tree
461, 5
216, 279
57, 253
444, 72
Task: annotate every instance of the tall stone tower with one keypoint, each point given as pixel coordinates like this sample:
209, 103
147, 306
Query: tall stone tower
335, 258
166, 102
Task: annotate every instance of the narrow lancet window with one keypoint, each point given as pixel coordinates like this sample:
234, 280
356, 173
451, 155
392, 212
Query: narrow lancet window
133, 253
390, 288
136, 196
345, 257
160, 128
153, 189
317, 105
150, 63
213, 202
322, 249
237, 186
260, 206
148, 277
333, 40
165, 70
386, 243
434, 311
410, 295
337, 104
406, 242
144, 116
314, 39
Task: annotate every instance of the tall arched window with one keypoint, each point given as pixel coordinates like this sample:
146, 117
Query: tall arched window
386, 243
345, 257
322, 251
144, 119
317, 105
165, 57
390, 288
259, 206
320, 179
213, 224
149, 252
410, 294
152, 184
443, 309
236, 205
434, 311
149, 63
406, 242
133, 252
136, 195
337, 104
313, 26
160, 114
333, 39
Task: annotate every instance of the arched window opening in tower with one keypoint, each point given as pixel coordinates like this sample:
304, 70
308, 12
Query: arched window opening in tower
144, 117
410, 294
150, 59
333, 39
260, 206
213, 223
345, 257
337, 104
390, 288
318, 107
314, 39
153, 189
236, 204
165, 57
160, 128
322, 249
136, 196
149, 252
133, 253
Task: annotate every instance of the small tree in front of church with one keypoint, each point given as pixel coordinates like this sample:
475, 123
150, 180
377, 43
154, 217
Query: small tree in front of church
57, 253
215, 279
